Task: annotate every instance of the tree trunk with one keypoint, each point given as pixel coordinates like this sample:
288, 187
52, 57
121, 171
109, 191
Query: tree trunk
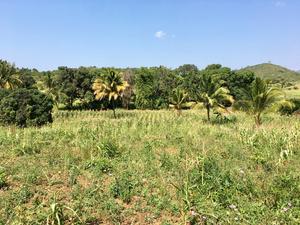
257, 120
114, 109
178, 112
208, 112
70, 103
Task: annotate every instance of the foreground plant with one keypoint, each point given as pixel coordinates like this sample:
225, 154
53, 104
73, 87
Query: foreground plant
111, 86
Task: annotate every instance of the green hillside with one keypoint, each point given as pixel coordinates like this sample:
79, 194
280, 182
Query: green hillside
274, 72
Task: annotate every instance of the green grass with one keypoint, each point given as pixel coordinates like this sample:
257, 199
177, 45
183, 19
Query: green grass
151, 167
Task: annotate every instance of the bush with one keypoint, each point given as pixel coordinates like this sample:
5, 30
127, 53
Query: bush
24, 107
286, 110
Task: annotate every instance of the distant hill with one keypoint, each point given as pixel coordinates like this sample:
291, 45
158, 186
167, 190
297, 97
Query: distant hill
270, 71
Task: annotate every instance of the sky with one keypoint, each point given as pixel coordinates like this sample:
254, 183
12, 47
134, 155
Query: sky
45, 34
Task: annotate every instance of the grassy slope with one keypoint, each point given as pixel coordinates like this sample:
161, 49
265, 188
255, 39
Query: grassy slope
151, 167
291, 92
271, 71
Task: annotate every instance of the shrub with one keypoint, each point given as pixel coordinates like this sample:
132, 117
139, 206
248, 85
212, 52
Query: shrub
286, 110
24, 107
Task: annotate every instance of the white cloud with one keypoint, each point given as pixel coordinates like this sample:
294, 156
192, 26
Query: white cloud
160, 34
280, 3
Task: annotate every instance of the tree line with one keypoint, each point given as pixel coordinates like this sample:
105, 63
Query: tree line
216, 87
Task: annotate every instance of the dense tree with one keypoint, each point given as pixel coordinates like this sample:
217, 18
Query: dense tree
25, 107
74, 84
186, 69
147, 89
111, 86
153, 87
238, 82
235, 82
26, 79
191, 83
128, 93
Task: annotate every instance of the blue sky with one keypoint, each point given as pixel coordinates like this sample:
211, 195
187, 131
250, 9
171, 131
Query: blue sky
132, 33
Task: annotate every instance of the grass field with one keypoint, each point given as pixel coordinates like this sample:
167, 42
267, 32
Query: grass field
151, 167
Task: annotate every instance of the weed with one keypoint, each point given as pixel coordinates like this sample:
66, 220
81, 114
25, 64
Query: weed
109, 149
123, 187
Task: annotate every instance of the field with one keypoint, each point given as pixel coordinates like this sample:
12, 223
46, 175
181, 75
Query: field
151, 167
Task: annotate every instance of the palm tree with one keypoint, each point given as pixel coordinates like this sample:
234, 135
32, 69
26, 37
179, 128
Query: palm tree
259, 98
212, 94
8, 75
111, 86
177, 100
48, 85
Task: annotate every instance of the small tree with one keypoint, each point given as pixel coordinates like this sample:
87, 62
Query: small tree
177, 100
111, 86
212, 94
259, 98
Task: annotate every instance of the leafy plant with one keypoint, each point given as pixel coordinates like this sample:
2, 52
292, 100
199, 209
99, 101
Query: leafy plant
109, 149
123, 187
56, 214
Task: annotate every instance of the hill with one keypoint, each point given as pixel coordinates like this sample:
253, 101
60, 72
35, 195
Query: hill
274, 72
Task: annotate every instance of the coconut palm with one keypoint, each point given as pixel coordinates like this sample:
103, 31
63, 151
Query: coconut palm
212, 94
48, 85
111, 86
8, 75
260, 97
177, 100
